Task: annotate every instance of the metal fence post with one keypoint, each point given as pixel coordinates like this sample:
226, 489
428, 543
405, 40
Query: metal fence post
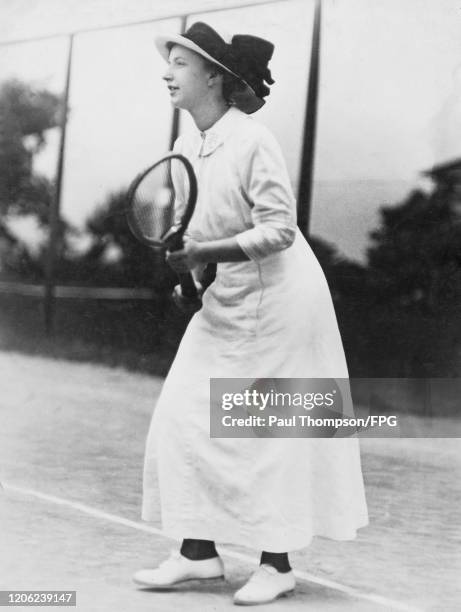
54, 216
310, 124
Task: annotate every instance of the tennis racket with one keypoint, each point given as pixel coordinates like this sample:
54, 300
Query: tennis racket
161, 201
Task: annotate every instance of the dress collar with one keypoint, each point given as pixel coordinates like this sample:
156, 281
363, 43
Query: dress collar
214, 136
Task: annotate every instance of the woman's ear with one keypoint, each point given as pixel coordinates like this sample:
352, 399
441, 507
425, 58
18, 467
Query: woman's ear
214, 76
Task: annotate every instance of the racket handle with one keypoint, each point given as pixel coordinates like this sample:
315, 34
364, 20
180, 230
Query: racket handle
188, 288
174, 239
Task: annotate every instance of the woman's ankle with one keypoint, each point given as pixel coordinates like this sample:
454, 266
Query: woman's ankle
278, 560
198, 550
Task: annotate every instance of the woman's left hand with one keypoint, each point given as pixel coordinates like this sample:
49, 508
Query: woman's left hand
187, 258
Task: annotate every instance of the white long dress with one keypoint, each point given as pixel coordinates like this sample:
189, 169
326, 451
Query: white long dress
271, 316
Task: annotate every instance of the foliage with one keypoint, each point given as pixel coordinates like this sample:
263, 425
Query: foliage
115, 250
416, 255
412, 296
25, 113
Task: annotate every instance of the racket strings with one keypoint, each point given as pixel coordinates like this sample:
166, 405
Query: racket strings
156, 202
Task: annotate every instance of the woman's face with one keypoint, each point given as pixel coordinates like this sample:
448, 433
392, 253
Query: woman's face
187, 78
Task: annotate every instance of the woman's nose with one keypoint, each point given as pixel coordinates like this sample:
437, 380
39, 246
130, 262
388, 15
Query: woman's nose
167, 75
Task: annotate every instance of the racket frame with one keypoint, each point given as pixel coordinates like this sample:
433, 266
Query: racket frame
172, 240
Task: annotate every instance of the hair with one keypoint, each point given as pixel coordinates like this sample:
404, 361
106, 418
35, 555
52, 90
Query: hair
230, 84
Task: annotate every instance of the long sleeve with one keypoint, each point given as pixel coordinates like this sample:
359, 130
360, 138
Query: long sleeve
273, 213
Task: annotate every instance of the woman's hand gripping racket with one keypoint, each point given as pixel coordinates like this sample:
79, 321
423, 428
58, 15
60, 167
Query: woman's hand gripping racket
161, 201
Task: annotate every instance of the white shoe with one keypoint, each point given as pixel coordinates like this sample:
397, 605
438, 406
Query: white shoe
178, 569
264, 586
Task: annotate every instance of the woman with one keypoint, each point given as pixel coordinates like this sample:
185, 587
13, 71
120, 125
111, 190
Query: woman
268, 313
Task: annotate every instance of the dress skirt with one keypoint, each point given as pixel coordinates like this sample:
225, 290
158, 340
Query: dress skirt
273, 318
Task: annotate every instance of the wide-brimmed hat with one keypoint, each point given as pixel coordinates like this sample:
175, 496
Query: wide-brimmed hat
244, 56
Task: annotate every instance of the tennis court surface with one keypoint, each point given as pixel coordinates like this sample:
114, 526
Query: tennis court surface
71, 452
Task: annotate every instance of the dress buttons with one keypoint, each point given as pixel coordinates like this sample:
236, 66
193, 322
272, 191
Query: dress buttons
210, 141
202, 146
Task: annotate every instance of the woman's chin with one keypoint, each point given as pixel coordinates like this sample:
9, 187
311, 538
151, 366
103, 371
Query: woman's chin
176, 102
178, 105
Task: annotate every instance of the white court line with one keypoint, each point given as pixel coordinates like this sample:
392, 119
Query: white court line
390, 604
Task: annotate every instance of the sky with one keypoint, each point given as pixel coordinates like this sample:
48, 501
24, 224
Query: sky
389, 105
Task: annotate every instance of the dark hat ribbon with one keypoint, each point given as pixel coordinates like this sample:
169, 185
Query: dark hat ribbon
248, 57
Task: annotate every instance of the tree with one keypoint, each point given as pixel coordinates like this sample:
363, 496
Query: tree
414, 275
25, 115
132, 263
416, 255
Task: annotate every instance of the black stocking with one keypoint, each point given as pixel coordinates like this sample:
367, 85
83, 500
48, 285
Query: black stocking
197, 550
277, 560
